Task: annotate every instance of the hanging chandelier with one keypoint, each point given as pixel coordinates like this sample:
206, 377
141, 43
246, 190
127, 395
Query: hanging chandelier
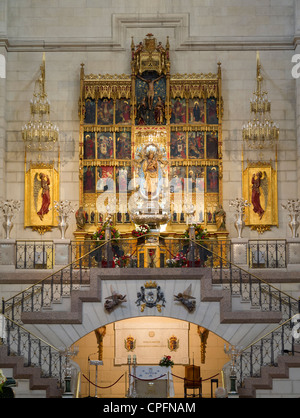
260, 132
39, 133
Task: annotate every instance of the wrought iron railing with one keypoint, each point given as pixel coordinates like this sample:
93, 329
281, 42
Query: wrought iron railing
34, 350
260, 254
148, 252
34, 254
266, 350
267, 253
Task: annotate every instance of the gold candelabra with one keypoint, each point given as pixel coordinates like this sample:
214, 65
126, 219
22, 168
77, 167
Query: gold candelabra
261, 131
40, 133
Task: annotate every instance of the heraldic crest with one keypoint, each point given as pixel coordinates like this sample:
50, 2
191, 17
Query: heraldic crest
149, 296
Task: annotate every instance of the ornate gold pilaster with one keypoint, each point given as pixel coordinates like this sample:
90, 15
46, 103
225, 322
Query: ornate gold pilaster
100, 334
203, 334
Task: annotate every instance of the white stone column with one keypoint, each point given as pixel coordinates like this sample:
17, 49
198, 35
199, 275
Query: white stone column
3, 58
297, 87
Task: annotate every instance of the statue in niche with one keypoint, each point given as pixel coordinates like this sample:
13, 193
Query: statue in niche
150, 168
159, 111
142, 112
151, 161
220, 217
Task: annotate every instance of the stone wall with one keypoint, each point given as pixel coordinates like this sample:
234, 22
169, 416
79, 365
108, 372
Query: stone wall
98, 34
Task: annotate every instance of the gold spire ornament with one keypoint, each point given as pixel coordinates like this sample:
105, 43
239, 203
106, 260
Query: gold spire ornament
39, 134
260, 132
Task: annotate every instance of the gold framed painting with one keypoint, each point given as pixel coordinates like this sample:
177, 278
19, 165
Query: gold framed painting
260, 189
41, 191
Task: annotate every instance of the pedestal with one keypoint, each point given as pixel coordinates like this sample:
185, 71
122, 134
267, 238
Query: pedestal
7, 252
293, 253
239, 252
62, 251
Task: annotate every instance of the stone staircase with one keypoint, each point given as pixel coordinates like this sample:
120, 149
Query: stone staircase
264, 383
81, 310
30, 383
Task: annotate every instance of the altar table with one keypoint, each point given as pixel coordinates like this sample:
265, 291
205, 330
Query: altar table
152, 382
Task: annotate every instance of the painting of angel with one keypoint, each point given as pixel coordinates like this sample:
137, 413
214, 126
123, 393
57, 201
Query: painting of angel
259, 189
41, 191
105, 145
42, 188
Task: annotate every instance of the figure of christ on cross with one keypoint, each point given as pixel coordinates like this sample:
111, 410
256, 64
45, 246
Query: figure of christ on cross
150, 94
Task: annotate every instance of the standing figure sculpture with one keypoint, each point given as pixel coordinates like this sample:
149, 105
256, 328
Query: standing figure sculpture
256, 194
159, 111
150, 168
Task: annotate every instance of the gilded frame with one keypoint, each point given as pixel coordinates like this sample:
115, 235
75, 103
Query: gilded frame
39, 212
260, 189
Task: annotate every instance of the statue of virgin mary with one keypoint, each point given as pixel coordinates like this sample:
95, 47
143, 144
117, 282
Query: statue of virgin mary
151, 176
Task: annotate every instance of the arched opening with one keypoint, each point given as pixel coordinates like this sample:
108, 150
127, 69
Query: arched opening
147, 340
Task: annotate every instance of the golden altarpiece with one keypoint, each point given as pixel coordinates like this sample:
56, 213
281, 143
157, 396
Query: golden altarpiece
173, 120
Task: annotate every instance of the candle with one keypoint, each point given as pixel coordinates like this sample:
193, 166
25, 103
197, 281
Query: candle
134, 359
129, 359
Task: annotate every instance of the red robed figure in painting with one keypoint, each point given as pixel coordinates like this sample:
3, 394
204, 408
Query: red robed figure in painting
256, 182
45, 183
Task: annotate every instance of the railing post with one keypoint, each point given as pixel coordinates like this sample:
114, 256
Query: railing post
191, 255
108, 247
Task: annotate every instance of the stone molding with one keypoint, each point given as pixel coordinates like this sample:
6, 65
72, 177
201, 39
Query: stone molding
175, 25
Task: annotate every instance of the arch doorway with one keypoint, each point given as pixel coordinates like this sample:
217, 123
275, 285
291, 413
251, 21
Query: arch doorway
147, 340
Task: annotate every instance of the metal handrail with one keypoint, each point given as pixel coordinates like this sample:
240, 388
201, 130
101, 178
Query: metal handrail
269, 333
31, 333
245, 271
59, 270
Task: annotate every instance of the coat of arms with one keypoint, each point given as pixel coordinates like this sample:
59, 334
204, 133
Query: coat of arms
149, 296
173, 343
130, 343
